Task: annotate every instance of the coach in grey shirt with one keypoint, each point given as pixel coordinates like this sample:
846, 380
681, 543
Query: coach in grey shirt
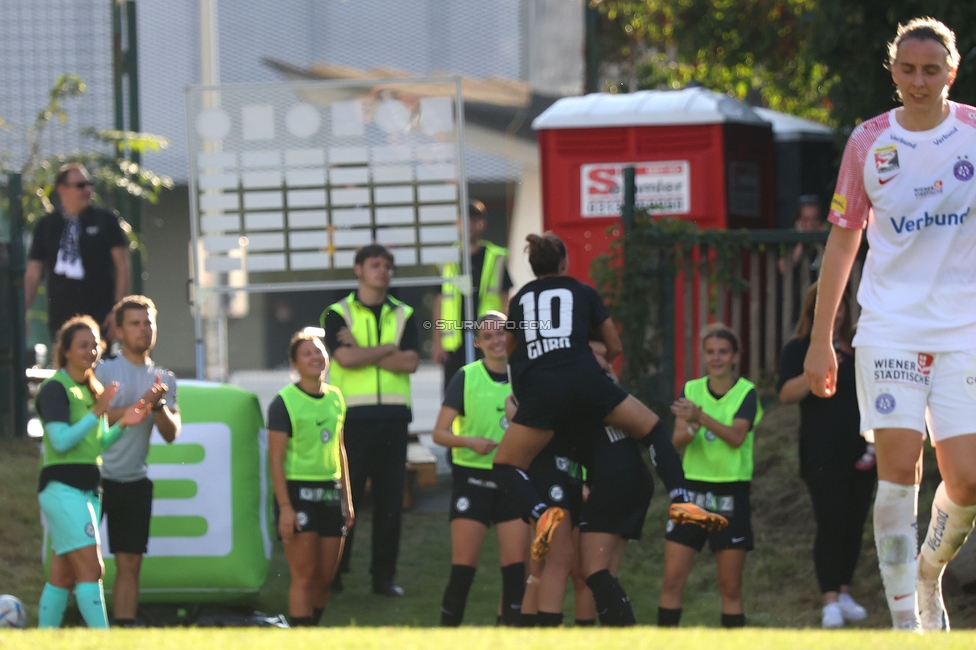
128, 492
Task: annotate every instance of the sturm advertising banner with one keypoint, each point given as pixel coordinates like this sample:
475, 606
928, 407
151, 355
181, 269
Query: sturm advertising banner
663, 187
209, 535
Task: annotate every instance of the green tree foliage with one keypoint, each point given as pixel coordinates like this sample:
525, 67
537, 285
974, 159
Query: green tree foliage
755, 50
113, 173
820, 59
851, 37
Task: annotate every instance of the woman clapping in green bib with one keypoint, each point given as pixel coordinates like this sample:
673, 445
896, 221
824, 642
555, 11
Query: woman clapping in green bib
715, 419
72, 406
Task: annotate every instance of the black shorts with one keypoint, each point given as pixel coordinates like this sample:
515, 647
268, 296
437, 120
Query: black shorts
128, 507
556, 398
476, 496
617, 503
728, 499
318, 508
559, 482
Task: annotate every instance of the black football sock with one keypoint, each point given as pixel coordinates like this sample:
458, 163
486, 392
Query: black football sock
456, 595
668, 617
733, 620
666, 462
512, 480
549, 619
302, 621
513, 589
612, 603
585, 622
528, 620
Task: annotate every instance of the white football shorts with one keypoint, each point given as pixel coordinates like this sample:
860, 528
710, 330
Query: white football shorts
907, 390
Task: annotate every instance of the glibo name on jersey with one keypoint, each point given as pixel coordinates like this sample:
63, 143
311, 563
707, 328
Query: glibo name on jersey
911, 225
554, 306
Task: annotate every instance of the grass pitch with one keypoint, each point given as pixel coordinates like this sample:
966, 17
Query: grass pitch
473, 638
780, 587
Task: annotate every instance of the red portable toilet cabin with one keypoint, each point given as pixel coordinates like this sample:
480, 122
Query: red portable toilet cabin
698, 155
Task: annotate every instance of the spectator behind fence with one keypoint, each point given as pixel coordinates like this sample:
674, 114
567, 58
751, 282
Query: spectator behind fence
84, 254
715, 420
836, 463
127, 492
810, 218
372, 338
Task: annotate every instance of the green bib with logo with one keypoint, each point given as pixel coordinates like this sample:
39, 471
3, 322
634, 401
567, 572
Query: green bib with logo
80, 402
313, 452
707, 457
484, 414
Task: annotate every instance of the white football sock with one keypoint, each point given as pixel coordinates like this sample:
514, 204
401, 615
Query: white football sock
896, 539
948, 530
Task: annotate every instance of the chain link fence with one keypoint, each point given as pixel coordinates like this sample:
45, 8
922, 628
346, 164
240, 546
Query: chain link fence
39, 41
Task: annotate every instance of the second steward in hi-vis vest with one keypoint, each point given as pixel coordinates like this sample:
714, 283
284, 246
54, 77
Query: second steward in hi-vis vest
489, 297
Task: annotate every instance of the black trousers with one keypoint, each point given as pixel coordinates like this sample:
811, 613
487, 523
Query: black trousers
841, 501
377, 449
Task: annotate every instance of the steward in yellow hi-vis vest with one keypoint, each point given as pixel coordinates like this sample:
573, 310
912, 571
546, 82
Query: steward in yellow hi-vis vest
491, 291
372, 385
489, 286
372, 339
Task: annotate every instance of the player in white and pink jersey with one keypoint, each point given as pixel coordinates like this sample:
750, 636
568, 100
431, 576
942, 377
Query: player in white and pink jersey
908, 177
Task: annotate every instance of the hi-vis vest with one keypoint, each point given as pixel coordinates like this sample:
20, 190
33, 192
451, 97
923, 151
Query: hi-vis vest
484, 414
80, 402
708, 457
371, 385
489, 293
313, 452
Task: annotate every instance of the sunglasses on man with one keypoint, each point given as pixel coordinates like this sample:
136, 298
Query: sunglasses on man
80, 185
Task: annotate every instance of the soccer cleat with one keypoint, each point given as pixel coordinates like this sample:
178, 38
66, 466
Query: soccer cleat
689, 513
850, 609
832, 617
931, 607
544, 530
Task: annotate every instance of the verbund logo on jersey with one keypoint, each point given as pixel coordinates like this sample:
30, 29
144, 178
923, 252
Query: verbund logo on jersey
911, 225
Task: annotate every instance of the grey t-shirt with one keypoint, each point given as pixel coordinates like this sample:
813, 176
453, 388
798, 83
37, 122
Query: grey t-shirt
126, 459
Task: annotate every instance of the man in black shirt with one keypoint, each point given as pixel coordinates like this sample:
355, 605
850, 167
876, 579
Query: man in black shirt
372, 339
84, 253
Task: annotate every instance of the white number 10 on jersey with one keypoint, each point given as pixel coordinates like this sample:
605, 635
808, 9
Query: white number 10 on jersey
537, 318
